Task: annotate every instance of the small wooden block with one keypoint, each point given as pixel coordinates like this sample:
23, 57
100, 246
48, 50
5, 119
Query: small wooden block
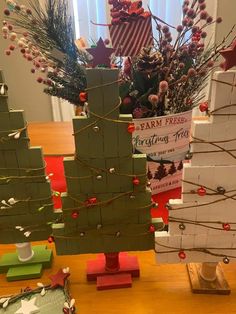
199, 285
24, 272
114, 281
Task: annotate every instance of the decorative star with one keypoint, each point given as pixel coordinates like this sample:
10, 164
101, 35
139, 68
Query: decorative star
230, 56
28, 307
101, 54
58, 280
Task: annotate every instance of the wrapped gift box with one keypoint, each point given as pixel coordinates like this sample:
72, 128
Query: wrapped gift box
128, 38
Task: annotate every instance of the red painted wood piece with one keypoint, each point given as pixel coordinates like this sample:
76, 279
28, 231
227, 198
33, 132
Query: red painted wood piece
97, 268
114, 281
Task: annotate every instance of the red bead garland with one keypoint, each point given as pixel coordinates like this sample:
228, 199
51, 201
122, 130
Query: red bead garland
226, 227
51, 239
136, 181
91, 201
182, 255
201, 191
203, 107
83, 97
131, 128
152, 229
75, 215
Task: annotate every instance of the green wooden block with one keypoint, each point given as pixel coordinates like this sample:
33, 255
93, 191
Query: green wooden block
111, 144
22, 143
24, 272
97, 140
82, 138
67, 202
11, 162
113, 183
99, 179
4, 104
126, 167
36, 160
42, 255
5, 124
125, 147
95, 95
2, 79
111, 92
94, 216
17, 119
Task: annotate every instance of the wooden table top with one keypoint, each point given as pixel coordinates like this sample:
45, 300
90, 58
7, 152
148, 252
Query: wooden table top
55, 137
163, 289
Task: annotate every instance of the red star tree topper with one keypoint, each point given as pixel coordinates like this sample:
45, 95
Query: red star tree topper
101, 54
230, 56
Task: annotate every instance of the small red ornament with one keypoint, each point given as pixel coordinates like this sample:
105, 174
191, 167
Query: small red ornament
131, 128
201, 191
203, 107
152, 229
7, 12
39, 79
136, 181
51, 239
127, 101
75, 215
182, 255
83, 97
91, 201
226, 227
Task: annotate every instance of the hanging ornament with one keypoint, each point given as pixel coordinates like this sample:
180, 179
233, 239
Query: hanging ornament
152, 229
82, 234
75, 215
188, 156
136, 181
83, 96
226, 260
99, 226
182, 255
51, 239
149, 184
99, 177
118, 234
226, 226
132, 197
92, 201
221, 190
203, 107
131, 128
112, 170
182, 227
201, 191
96, 129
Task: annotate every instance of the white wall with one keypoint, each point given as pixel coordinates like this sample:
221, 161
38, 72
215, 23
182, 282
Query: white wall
24, 92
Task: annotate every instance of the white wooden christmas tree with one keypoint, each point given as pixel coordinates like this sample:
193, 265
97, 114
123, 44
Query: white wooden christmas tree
202, 224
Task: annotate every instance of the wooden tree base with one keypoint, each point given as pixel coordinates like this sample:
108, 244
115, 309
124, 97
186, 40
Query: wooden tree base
16, 270
201, 286
122, 278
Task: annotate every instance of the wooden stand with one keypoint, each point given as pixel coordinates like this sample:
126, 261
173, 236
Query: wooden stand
207, 278
113, 270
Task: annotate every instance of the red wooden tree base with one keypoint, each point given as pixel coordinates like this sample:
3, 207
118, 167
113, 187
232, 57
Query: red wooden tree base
113, 270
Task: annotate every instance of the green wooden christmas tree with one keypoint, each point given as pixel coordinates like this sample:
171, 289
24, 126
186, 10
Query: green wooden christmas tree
107, 205
26, 208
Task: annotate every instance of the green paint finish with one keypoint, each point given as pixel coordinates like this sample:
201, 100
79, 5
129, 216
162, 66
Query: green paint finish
42, 255
4, 104
110, 92
125, 147
24, 272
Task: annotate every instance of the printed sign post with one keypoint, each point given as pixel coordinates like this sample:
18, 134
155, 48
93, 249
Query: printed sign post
165, 140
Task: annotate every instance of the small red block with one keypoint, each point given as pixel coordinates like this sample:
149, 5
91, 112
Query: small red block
114, 281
